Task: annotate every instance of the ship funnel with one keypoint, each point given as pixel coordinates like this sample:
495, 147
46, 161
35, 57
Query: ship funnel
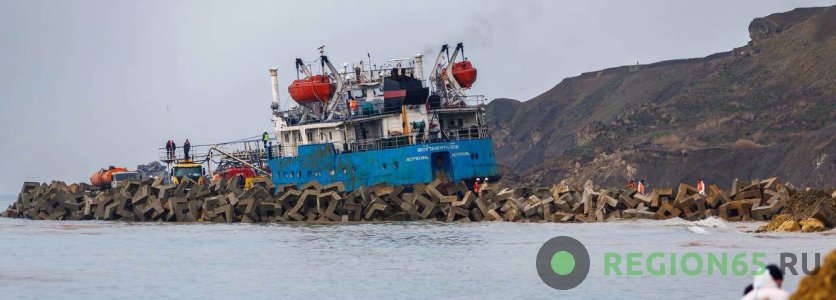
274, 80
418, 72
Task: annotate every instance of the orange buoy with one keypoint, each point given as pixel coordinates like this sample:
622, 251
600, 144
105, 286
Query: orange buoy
316, 88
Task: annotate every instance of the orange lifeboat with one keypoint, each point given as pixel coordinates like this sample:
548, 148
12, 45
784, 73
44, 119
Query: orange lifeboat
465, 73
316, 88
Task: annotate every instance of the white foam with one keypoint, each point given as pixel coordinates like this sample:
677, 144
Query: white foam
697, 230
712, 222
674, 222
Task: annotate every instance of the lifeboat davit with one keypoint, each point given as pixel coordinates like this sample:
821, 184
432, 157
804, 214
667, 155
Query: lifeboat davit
316, 88
465, 73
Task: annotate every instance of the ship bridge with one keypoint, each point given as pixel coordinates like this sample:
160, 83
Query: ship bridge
374, 127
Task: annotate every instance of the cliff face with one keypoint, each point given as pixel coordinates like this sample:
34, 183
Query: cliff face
764, 109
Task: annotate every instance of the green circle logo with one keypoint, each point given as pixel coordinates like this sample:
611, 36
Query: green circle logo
563, 263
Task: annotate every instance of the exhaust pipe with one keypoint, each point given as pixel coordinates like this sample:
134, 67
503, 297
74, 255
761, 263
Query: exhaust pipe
274, 80
418, 71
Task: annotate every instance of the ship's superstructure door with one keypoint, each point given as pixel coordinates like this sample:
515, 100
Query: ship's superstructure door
442, 166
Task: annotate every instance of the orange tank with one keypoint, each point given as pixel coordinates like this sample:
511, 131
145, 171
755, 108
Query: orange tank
465, 73
104, 177
316, 88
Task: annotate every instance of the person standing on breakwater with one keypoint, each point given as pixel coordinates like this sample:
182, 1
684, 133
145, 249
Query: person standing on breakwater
640, 188
476, 186
186, 147
631, 185
701, 187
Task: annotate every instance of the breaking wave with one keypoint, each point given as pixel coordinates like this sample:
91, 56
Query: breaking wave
712, 222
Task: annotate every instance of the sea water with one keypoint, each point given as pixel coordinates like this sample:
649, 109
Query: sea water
410, 260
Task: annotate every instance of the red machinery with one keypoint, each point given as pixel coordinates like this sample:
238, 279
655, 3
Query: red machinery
244, 171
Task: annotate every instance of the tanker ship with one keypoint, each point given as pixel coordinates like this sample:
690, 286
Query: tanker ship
362, 125
367, 124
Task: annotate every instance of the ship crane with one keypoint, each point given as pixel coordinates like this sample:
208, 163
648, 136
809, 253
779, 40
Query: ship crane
318, 95
434, 74
305, 91
448, 71
300, 66
452, 78
335, 105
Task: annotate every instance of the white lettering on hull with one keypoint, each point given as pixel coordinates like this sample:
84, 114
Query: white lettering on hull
416, 158
447, 147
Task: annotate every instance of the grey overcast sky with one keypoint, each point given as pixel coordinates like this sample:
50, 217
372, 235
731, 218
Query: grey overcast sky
85, 84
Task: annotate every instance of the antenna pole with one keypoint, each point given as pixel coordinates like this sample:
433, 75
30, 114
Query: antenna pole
168, 113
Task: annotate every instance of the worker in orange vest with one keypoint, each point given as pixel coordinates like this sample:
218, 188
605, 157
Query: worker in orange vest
353, 106
476, 186
701, 187
631, 185
640, 189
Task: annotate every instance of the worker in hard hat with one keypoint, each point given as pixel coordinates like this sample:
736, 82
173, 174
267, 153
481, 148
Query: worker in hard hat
264, 138
476, 186
701, 187
640, 188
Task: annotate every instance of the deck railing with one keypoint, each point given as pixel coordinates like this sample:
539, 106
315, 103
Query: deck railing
467, 101
394, 141
378, 109
250, 150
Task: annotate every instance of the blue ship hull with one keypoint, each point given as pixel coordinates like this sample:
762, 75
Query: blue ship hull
421, 163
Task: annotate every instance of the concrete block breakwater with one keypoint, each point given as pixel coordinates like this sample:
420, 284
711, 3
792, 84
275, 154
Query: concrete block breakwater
225, 201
